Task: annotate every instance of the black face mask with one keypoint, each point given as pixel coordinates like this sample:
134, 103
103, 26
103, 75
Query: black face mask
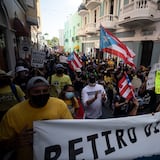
59, 71
92, 80
39, 101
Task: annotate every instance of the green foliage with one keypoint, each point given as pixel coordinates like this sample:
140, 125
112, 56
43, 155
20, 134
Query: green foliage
53, 42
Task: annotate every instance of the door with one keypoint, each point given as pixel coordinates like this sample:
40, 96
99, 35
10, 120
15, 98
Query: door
147, 47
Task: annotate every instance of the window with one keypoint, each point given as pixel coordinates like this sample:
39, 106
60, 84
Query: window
95, 16
126, 2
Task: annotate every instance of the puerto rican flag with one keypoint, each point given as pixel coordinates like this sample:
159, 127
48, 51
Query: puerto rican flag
111, 44
125, 87
74, 61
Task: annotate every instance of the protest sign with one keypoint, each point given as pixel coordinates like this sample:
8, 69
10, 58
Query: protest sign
114, 139
37, 59
157, 82
151, 76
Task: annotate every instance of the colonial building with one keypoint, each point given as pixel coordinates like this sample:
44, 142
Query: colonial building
135, 22
71, 40
19, 25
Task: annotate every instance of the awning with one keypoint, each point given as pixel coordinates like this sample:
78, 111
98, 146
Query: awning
20, 29
32, 20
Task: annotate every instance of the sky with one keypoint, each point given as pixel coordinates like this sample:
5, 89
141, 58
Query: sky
54, 14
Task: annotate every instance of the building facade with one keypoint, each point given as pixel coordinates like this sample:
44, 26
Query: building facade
71, 40
17, 20
134, 22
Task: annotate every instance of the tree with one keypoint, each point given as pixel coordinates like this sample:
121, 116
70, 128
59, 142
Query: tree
55, 42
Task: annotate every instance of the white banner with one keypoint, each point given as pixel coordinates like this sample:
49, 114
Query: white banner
113, 139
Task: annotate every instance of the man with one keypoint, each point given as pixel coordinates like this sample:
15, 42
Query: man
21, 77
58, 81
17, 124
10, 94
93, 96
148, 100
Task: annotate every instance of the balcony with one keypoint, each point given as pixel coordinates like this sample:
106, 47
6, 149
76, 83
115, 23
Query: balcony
139, 13
108, 21
91, 29
82, 10
91, 4
81, 32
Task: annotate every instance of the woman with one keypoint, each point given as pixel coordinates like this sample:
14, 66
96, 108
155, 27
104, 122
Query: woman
68, 96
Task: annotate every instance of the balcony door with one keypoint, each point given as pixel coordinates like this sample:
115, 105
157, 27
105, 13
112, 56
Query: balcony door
147, 47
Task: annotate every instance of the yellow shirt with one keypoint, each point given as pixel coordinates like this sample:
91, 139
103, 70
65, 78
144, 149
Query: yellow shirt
57, 84
70, 105
7, 97
22, 115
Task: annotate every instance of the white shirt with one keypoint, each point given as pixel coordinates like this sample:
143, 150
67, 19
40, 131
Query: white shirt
94, 110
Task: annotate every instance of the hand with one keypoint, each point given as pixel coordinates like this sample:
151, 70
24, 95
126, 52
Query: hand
25, 138
96, 95
126, 101
135, 101
104, 96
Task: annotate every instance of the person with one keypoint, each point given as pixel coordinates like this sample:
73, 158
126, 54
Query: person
93, 96
149, 100
109, 81
10, 94
68, 96
16, 126
58, 80
21, 77
124, 107
78, 83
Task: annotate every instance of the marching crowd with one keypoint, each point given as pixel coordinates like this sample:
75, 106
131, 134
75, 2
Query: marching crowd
58, 92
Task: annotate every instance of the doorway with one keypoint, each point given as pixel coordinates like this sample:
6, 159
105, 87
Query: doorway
147, 47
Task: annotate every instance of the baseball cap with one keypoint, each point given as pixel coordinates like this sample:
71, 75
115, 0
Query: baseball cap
21, 68
32, 82
59, 66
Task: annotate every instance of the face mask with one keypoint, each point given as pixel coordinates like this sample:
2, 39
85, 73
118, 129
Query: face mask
92, 80
69, 95
59, 71
39, 100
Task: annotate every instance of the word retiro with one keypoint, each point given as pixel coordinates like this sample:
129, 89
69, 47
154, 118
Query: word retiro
122, 137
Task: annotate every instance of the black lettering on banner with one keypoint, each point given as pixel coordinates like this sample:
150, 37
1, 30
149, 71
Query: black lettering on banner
147, 129
93, 142
48, 150
72, 151
156, 130
110, 149
132, 135
119, 135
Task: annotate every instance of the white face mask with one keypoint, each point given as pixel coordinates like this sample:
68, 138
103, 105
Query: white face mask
69, 95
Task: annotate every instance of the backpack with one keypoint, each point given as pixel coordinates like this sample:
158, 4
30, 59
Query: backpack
14, 91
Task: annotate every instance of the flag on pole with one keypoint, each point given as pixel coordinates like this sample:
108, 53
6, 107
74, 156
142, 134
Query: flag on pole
125, 87
111, 44
74, 61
